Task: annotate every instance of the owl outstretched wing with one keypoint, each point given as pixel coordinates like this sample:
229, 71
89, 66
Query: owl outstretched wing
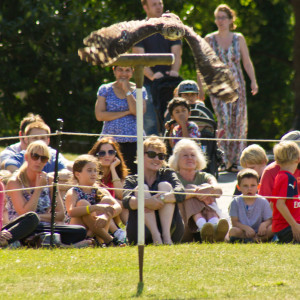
105, 45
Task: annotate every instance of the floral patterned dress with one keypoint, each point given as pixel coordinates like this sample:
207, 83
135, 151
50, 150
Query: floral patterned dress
232, 117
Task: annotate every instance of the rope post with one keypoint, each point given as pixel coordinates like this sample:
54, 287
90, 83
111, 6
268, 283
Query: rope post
55, 181
139, 61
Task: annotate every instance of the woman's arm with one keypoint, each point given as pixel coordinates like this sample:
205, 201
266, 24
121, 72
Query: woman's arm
103, 115
131, 202
19, 202
248, 65
116, 180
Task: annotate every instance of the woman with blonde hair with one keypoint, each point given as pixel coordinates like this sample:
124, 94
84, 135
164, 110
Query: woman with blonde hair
38, 197
162, 218
199, 212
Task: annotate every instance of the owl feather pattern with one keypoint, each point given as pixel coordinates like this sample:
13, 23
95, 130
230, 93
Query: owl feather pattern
105, 45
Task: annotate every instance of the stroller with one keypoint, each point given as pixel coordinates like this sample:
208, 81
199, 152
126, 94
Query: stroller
207, 127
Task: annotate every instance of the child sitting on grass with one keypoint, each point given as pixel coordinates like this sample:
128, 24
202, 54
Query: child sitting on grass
89, 205
179, 110
286, 209
251, 215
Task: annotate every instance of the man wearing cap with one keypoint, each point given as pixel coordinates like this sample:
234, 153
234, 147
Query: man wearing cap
270, 172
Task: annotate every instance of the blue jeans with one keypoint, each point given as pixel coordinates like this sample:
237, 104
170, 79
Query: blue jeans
150, 118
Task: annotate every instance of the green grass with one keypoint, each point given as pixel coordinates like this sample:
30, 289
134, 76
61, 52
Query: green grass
194, 271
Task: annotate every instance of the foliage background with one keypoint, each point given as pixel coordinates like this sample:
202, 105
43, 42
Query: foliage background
41, 72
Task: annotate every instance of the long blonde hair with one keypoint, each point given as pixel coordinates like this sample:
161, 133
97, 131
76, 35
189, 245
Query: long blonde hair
36, 146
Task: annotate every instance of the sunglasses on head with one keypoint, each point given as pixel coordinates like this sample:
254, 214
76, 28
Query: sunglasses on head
153, 154
102, 153
36, 156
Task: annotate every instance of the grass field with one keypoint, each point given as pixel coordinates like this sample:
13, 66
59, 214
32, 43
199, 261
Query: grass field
189, 271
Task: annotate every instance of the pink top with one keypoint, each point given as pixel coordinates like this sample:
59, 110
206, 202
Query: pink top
1, 204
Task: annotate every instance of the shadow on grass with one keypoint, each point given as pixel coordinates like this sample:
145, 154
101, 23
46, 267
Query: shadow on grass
140, 289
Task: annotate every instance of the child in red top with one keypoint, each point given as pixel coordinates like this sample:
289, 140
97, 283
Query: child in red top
286, 211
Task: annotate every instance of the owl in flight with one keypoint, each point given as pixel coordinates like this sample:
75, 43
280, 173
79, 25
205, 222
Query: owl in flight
105, 45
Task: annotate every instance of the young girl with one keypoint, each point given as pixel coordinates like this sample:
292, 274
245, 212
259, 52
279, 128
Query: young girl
90, 205
114, 169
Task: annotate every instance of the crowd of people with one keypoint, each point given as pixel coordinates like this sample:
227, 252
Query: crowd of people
97, 199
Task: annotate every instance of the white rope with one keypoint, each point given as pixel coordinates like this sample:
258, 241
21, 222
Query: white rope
134, 190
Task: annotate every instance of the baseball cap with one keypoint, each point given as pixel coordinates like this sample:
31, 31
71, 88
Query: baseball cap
188, 86
292, 136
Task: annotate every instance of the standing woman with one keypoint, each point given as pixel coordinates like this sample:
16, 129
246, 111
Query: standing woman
116, 107
231, 48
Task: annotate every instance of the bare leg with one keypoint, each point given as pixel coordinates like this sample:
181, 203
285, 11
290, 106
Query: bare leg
166, 214
264, 238
197, 216
94, 224
150, 219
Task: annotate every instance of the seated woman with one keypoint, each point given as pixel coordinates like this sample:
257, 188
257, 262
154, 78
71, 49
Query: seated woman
38, 198
88, 204
162, 218
114, 170
200, 213
18, 229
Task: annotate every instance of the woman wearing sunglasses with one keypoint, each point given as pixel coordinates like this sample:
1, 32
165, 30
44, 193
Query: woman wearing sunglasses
38, 198
162, 219
114, 170
116, 107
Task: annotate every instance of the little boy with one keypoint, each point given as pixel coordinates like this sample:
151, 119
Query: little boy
251, 215
286, 209
253, 157
180, 111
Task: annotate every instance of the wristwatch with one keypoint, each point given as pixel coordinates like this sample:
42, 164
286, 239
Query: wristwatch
128, 93
162, 197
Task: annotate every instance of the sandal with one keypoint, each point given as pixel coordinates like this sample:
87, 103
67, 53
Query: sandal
234, 168
115, 243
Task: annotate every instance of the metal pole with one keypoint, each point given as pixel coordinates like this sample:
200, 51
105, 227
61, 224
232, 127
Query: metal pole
55, 181
138, 61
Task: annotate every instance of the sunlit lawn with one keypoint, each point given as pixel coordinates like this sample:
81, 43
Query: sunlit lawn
193, 271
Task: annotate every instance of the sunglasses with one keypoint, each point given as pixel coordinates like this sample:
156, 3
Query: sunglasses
36, 156
102, 153
153, 154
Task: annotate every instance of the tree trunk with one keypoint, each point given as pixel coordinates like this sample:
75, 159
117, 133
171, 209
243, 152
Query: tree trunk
296, 7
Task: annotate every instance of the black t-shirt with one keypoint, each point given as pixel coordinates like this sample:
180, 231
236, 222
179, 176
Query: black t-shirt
156, 43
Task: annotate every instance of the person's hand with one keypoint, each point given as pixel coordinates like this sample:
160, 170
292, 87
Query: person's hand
249, 232
262, 229
181, 120
157, 75
5, 236
205, 189
254, 88
41, 179
172, 73
103, 209
115, 163
154, 202
296, 232
124, 84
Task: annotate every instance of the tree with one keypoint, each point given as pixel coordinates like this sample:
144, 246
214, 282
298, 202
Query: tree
41, 72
